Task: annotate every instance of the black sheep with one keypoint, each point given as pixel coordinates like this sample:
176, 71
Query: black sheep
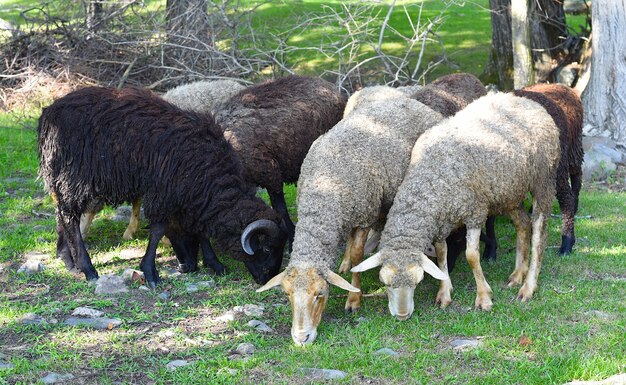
105, 145
272, 125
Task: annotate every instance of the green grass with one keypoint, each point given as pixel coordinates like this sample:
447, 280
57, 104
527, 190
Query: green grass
575, 322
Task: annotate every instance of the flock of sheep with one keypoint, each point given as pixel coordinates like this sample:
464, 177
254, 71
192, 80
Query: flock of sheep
397, 169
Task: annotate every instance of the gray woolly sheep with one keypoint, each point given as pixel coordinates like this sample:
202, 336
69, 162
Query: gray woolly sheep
271, 127
201, 96
348, 181
566, 109
482, 161
135, 144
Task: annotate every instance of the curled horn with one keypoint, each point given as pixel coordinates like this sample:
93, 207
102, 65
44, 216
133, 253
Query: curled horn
260, 225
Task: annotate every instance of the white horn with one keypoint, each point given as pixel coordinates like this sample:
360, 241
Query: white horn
276, 281
370, 263
432, 269
337, 280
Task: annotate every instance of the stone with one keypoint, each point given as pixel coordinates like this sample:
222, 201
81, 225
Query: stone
31, 266
387, 352
54, 378
245, 349
205, 284
228, 316
5, 365
164, 295
173, 365
464, 343
323, 374
618, 379
250, 310
111, 284
39, 228
87, 312
601, 157
192, 288
100, 323
131, 275
32, 319
260, 326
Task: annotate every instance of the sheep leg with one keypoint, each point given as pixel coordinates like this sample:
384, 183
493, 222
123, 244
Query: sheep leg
576, 179
133, 223
491, 244
186, 248
539, 240
277, 198
521, 221
358, 238
483, 291
147, 265
209, 259
71, 233
63, 248
444, 297
85, 222
346, 264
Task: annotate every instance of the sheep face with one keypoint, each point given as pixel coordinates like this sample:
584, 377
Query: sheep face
307, 288
401, 275
264, 242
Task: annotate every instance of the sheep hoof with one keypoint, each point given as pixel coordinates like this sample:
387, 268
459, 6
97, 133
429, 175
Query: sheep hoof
151, 284
525, 294
353, 302
515, 279
345, 266
567, 243
443, 300
127, 235
483, 303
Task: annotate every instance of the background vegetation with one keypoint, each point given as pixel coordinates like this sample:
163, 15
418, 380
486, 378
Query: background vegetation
574, 327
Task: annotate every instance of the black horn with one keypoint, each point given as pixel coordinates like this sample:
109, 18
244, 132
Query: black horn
261, 225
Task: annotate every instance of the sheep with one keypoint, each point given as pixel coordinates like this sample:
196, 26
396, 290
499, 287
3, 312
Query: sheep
201, 96
271, 127
450, 93
566, 109
105, 145
482, 161
347, 183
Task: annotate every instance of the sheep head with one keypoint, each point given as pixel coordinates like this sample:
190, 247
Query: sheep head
307, 288
401, 278
264, 242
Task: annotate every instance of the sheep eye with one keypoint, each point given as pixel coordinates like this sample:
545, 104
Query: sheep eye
266, 249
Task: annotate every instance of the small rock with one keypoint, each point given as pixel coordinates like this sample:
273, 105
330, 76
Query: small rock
205, 284
32, 266
173, 365
323, 374
39, 228
167, 333
232, 372
111, 284
192, 288
618, 379
229, 316
164, 296
144, 288
463, 343
131, 275
53, 378
171, 273
250, 310
95, 323
245, 349
6, 365
387, 352
599, 315
362, 319
41, 240
87, 312
32, 319
260, 326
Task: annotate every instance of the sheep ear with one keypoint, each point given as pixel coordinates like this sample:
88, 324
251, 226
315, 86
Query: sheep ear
335, 279
276, 281
370, 263
432, 269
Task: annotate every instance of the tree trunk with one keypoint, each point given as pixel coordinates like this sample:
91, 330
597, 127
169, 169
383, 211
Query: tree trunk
499, 70
548, 33
604, 98
523, 73
93, 14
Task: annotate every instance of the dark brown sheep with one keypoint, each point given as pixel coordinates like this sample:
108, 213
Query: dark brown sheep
450, 93
105, 145
272, 125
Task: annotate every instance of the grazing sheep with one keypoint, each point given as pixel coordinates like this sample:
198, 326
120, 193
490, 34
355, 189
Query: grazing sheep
105, 145
566, 109
202, 96
450, 93
271, 127
347, 184
480, 162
